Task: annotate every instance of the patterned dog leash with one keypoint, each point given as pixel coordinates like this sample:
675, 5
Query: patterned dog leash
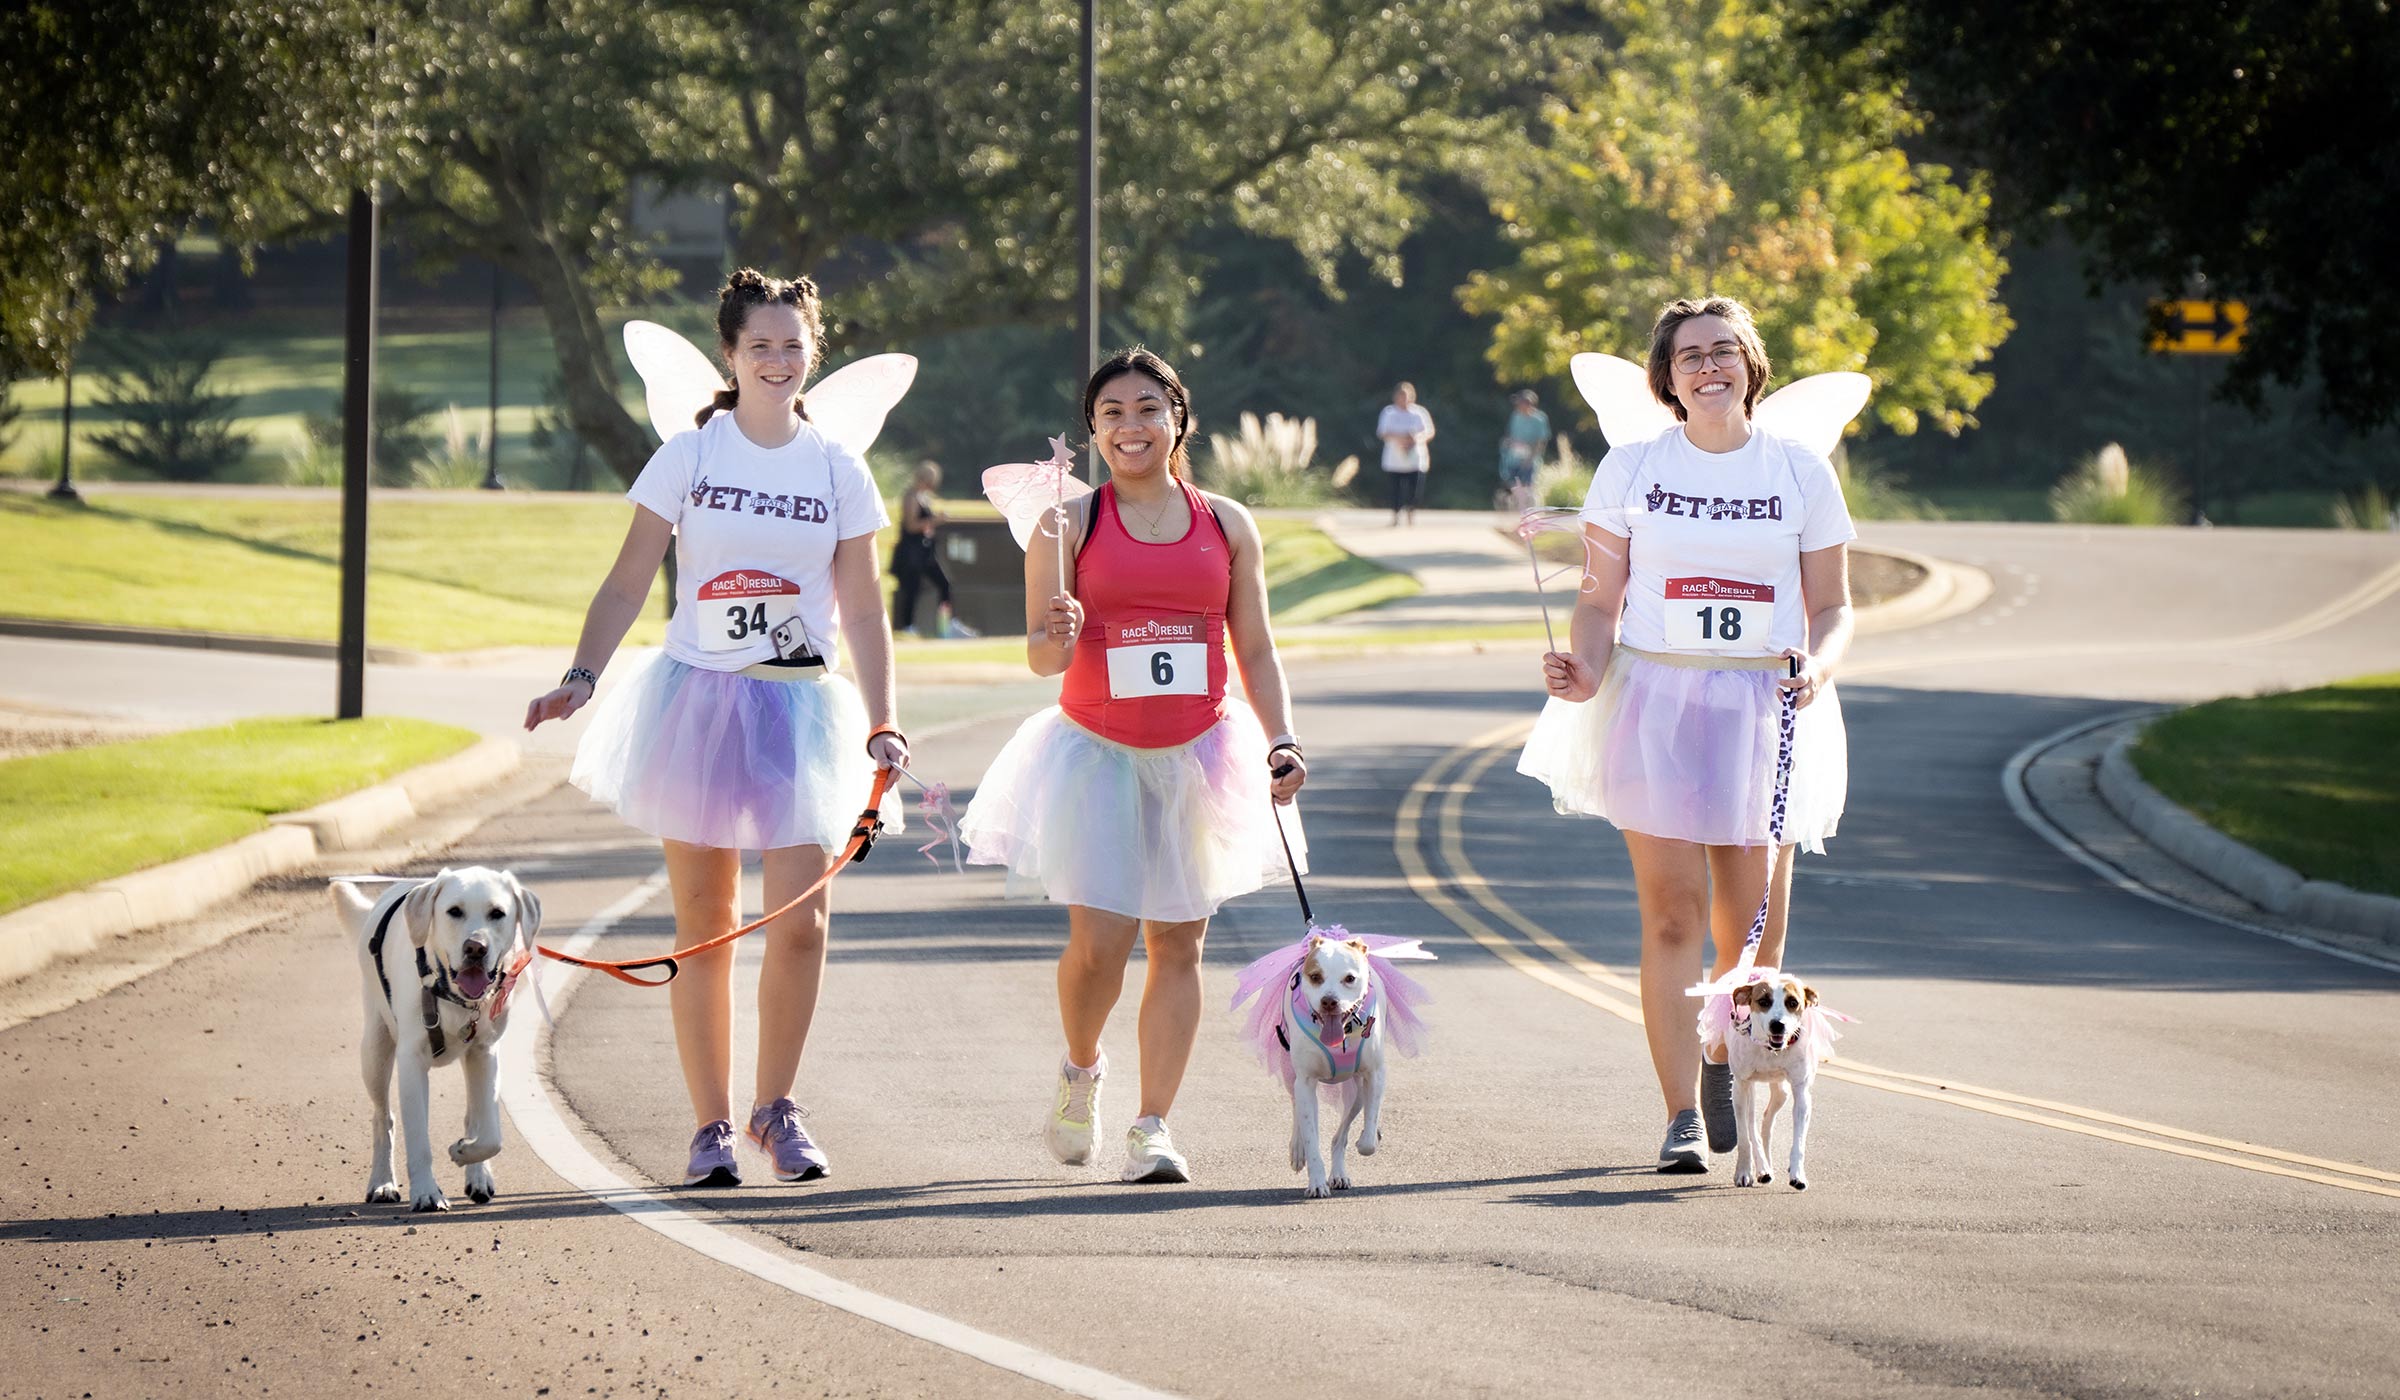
1787, 707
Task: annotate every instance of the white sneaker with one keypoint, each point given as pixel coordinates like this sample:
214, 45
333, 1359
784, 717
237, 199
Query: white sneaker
1150, 1154
1074, 1121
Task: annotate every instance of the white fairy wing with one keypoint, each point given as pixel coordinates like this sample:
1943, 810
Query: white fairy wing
677, 380
1815, 410
850, 404
1025, 493
1619, 392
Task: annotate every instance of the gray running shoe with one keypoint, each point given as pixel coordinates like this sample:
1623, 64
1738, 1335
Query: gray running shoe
1074, 1119
712, 1161
777, 1131
1150, 1153
1681, 1153
1716, 1105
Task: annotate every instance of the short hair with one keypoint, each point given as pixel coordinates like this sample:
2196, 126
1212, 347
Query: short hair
1745, 336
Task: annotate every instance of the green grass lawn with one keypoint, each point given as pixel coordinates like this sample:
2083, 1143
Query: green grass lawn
71, 819
445, 573
2308, 777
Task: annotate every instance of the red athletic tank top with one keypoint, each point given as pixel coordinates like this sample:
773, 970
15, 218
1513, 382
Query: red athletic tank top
1149, 671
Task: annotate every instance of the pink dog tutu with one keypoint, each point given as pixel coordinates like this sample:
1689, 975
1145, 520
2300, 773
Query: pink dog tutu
719, 758
1164, 834
1265, 982
1689, 754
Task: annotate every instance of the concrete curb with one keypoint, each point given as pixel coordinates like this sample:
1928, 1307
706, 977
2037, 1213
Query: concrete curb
202, 641
1947, 590
69, 924
2264, 881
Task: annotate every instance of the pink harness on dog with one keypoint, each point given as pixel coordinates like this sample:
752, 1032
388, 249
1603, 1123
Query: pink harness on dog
1349, 1039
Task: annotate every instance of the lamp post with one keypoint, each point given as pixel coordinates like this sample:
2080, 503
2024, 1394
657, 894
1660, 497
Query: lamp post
1088, 269
491, 422
65, 489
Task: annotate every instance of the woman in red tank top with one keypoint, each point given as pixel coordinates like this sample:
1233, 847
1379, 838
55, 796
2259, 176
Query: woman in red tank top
1143, 799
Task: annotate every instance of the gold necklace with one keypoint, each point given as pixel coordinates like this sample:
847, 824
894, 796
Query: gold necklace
1152, 524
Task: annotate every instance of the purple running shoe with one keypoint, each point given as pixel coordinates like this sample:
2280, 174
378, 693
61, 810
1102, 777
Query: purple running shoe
777, 1131
712, 1161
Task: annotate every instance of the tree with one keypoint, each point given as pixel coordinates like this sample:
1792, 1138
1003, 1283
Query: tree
2251, 143
126, 120
922, 166
1702, 161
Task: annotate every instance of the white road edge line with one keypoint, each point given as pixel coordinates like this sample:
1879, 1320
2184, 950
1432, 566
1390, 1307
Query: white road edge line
2012, 787
544, 1129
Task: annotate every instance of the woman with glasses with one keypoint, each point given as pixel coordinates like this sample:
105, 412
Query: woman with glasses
1716, 578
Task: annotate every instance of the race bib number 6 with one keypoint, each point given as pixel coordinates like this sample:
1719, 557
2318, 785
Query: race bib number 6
740, 609
1706, 614
1158, 656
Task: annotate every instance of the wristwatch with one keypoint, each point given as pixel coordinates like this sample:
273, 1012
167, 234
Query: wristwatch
579, 673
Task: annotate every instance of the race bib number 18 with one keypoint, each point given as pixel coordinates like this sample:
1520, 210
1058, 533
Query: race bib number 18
740, 609
1158, 656
1708, 614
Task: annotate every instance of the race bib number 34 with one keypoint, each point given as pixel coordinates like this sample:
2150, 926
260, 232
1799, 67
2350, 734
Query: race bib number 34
1706, 614
740, 609
1158, 656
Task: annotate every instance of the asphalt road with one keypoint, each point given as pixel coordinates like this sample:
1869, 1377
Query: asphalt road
2082, 1144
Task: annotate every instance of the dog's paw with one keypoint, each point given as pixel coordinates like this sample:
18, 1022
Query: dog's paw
1338, 1183
1765, 1177
1370, 1143
1746, 1179
480, 1188
1299, 1156
1318, 1190
383, 1193
467, 1151
1798, 1184
430, 1199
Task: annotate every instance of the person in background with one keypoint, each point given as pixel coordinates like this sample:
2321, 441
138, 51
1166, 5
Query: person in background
1521, 444
1405, 427
915, 561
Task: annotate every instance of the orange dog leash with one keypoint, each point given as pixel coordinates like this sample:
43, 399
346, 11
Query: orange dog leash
862, 839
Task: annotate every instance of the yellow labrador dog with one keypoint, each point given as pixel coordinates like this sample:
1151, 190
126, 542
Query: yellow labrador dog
438, 959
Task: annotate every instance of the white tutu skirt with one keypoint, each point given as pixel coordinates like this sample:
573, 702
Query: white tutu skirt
1689, 754
1159, 834
717, 758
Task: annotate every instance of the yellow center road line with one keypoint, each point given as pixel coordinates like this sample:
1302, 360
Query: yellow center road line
1453, 776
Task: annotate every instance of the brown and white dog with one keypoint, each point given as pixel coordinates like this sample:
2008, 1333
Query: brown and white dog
437, 960
1776, 1036
1328, 1032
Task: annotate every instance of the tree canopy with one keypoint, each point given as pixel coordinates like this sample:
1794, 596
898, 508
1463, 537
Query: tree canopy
1700, 159
124, 120
2252, 143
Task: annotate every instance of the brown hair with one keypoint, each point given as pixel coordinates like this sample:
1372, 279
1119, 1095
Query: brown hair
744, 292
1745, 336
1133, 359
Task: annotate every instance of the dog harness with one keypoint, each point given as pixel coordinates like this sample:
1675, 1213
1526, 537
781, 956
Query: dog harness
1346, 1042
435, 985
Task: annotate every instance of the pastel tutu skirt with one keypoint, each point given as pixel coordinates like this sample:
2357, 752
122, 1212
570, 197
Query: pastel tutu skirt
1688, 753
725, 759
1162, 834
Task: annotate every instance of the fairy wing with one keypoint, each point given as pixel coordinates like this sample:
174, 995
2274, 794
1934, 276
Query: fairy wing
1619, 392
1815, 410
677, 380
1025, 493
850, 404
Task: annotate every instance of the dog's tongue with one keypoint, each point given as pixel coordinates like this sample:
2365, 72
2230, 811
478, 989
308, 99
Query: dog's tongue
473, 983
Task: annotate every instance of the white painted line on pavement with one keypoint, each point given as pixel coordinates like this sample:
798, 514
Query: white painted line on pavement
544, 1129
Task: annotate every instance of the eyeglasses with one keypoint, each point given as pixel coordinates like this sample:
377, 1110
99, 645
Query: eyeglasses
1721, 356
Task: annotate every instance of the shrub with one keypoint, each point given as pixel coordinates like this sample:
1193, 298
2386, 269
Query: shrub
1874, 493
169, 423
1566, 479
309, 462
9, 413
459, 463
2109, 490
2367, 508
1271, 463
401, 440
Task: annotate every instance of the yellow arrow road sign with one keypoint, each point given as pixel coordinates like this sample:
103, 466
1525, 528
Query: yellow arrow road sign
2198, 327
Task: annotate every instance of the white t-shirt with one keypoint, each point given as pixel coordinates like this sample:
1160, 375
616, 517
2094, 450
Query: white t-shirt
1413, 419
1717, 540
754, 535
